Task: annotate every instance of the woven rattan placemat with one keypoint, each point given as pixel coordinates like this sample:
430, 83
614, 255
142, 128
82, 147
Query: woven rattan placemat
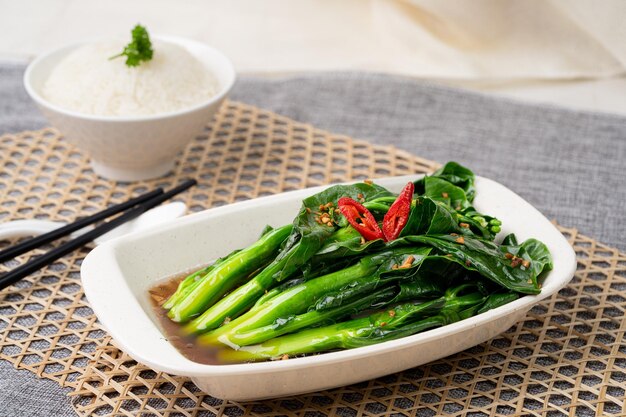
568, 357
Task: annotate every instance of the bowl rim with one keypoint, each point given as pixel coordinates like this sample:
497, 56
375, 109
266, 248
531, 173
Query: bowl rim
178, 40
103, 254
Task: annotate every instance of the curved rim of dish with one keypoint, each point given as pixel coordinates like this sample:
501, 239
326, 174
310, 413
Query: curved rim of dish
178, 40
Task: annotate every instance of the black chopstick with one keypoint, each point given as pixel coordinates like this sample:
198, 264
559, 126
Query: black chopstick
28, 268
25, 246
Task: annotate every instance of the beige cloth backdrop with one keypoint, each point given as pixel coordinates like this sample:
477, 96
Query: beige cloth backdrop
460, 39
566, 52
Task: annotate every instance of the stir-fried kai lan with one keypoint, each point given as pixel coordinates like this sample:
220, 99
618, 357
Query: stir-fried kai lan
359, 265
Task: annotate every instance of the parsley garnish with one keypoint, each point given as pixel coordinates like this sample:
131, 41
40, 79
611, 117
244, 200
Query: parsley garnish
139, 49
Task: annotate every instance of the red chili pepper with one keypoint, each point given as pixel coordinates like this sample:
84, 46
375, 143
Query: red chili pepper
360, 218
398, 215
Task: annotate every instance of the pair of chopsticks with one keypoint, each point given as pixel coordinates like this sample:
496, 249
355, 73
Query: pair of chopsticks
137, 206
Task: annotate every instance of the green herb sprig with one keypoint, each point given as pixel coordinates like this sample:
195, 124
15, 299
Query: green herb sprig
139, 49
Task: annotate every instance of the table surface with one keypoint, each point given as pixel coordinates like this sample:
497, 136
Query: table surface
567, 164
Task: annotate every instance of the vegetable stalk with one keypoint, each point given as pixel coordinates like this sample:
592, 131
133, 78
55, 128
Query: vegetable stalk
361, 277
403, 320
228, 274
312, 318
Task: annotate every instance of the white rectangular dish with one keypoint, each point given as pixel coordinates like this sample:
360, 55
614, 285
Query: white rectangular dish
118, 274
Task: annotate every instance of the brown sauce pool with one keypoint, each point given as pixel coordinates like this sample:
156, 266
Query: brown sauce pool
173, 331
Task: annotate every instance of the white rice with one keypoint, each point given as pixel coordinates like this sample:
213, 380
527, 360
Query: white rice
86, 81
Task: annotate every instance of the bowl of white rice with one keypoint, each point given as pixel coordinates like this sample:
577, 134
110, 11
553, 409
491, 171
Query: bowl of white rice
132, 121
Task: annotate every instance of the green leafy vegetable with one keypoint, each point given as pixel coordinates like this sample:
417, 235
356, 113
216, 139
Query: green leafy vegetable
325, 292
139, 49
491, 261
308, 235
430, 216
402, 320
227, 274
319, 284
312, 318
459, 176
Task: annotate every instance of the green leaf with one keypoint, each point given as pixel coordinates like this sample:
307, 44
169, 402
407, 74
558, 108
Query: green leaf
443, 191
266, 230
431, 279
510, 240
341, 245
497, 300
536, 253
308, 234
139, 49
455, 174
488, 258
429, 216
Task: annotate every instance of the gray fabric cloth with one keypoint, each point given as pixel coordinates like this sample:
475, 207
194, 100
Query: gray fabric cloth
567, 164
22, 394
17, 111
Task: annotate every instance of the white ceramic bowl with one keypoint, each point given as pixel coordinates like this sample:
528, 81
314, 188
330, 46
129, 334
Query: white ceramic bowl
137, 147
117, 275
